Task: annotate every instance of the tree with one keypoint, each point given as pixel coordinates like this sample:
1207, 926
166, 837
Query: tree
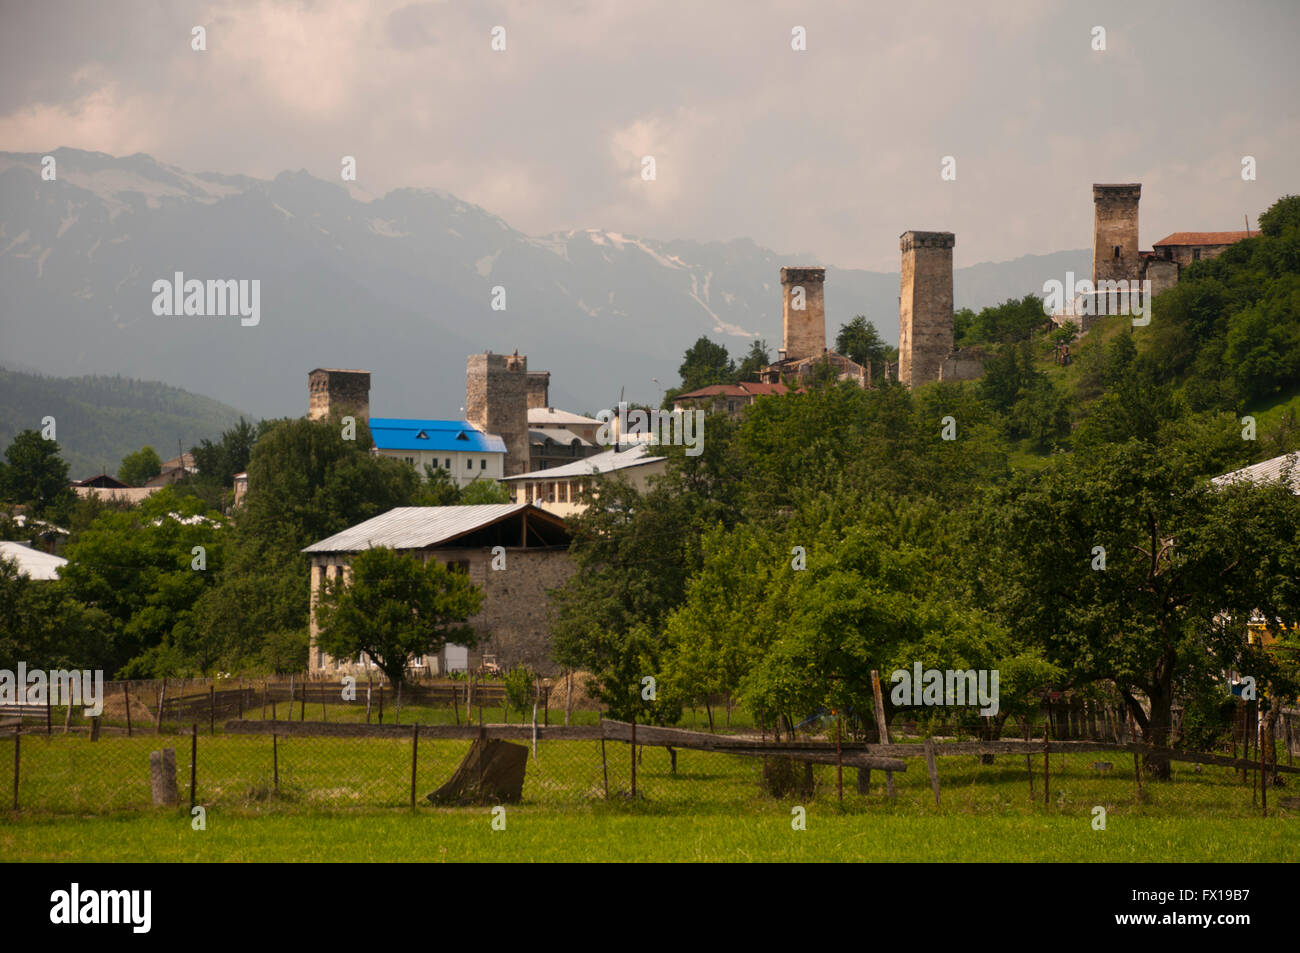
706, 363
1161, 606
755, 360
139, 567
35, 476
395, 608
139, 467
859, 341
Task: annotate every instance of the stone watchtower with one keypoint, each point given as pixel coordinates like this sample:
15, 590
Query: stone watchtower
337, 393
496, 402
539, 389
804, 327
925, 318
1115, 233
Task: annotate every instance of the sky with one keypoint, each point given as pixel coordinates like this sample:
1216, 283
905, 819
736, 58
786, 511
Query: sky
828, 152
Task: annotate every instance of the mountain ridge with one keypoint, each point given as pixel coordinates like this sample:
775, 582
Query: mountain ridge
401, 284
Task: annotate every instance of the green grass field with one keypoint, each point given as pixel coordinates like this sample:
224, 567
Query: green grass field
345, 799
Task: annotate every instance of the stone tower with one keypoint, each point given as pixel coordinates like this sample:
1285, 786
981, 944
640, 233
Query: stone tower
496, 402
804, 328
924, 306
539, 389
337, 393
1115, 233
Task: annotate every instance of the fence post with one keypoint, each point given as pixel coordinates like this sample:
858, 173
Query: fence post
323, 716
882, 725
194, 761
126, 699
18, 732
94, 728
275, 762
49, 712
1263, 771
1047, 759
381, 703
604, 765
397, 718
302, 711
455, 704
415, 754
839, 758
368, 686
534, 728
932, 766
212, 708
162, 698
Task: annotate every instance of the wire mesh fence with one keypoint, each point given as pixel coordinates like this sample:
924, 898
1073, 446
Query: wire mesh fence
257, 765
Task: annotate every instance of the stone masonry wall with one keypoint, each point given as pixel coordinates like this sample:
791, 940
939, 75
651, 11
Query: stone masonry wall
804, 330
496, 402
338, 393
1115, 225
925, 318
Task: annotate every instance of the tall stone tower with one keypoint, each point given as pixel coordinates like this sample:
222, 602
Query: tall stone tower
1115, 233
539, 389
496, 402
337, 393
804, 327
924, 305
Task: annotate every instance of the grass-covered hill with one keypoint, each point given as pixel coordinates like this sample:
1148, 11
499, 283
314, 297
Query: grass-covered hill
99, 420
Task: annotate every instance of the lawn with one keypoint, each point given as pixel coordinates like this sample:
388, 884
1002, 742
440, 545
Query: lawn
345, 799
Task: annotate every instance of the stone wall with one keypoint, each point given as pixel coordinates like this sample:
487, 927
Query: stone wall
925, 318
496, 402
336, 393
804, 330
539, 389
1115, 227
514, 621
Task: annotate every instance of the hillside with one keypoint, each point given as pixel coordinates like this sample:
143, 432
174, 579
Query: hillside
101, 419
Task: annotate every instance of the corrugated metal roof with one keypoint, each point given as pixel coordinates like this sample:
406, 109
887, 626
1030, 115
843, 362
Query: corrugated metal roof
606, 462
404, 433
1266, 471
32, 562
415, 527
549, 415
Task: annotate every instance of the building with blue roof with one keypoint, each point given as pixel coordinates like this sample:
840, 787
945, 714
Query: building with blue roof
457, 446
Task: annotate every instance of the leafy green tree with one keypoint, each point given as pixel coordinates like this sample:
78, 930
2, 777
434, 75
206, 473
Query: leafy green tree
859, 341
218, 462
756, 358
479, 492
35, 476
43, 625
706, 363
1185, 565
395, 608
139, 467
139, 567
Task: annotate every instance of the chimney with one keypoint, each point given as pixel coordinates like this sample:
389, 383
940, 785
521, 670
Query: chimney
803, 312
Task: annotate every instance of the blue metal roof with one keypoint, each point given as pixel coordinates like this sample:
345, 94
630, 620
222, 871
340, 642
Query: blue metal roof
403, 433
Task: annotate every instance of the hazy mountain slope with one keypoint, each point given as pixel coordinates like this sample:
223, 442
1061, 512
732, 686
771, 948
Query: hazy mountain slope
99, 420
400, 285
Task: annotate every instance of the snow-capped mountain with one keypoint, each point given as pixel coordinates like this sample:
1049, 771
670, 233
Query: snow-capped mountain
402, 285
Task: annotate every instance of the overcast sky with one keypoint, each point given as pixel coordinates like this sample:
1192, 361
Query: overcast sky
831, 152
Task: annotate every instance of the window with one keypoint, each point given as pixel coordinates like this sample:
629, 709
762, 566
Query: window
1117, 252
563, 495
418, 662
528, 493
469, 464
448, 463
482, 464
1196, 254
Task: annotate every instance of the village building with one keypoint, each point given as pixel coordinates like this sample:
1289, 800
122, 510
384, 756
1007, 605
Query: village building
513, 622
729, 399
559, 490
32, 563
456, 446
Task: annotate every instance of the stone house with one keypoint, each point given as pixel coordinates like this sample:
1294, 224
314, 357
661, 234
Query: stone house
513, 623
